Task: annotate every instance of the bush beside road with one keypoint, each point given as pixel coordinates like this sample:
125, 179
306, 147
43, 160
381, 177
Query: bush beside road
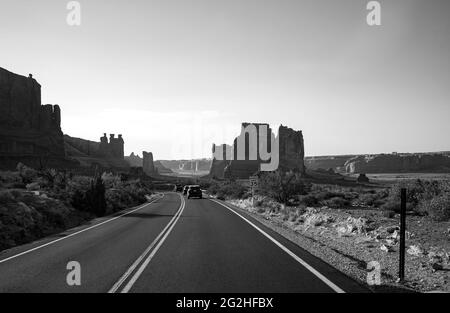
35, 204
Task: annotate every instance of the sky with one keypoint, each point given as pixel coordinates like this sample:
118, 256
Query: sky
174, 76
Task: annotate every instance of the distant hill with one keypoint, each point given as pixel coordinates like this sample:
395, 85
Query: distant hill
433, 162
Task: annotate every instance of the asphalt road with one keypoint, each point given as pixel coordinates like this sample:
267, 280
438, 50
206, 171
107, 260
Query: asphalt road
170, 245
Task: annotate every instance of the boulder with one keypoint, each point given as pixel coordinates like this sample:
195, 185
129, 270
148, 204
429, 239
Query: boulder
415, 251
362, 178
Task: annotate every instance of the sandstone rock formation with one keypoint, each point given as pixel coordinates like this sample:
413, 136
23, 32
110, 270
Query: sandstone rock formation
134, 160
161, 169
103, 153
362, 178
114, 148
147, 163
29, 131
158, 168
291, 153
292, 150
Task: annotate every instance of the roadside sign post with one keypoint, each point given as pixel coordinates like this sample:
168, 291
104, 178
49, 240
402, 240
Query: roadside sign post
253, 186
401, 271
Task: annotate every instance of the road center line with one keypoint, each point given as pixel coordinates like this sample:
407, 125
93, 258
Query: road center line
79, 232
292, 254
141, 269
130, 270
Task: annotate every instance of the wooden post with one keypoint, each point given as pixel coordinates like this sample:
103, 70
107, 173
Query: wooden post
401, 271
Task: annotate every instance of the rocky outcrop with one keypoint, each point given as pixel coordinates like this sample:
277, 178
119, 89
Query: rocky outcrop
230, 165
103, 153
292, 149
134, 160
396, 163
28, 130
147, 163
249, 165
362, 178
157, 167
161, 169
114, 148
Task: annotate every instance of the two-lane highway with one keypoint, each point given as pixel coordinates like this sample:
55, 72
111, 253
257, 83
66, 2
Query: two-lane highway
171, 245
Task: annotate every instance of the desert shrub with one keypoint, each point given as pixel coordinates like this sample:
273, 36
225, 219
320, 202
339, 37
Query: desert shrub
25, 216
9, 179
127, 194
117, 199
214, 187
228, 190
393, 205
90, 200
418, 191
337, 202
368, 199
110, 180
308, 200
373, 198
438, 208
96, 197
6, 197
389, 214
282, 186
258, 203
328, 193
206, 183
27, 174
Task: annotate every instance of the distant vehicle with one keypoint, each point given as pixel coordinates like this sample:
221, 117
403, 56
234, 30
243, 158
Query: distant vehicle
194, 191
178, 188
185, 189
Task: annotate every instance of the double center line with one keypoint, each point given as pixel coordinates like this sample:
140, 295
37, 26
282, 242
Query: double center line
129, 278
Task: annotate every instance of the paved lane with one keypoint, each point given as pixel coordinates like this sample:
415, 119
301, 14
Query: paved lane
212, 249
104, 253
171, 245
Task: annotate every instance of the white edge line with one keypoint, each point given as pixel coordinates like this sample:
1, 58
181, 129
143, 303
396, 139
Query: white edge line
138, 273
78, 232
119, 283
292, 254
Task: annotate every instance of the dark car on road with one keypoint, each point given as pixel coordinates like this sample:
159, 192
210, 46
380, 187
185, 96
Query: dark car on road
178, 188
194, 192
185, 189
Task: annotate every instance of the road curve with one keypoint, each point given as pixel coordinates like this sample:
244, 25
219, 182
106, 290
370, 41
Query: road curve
171, 245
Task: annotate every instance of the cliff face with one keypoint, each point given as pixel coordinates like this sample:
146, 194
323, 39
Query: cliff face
134, 160
151, 167
393, 163
327, 162
291, 153
103, 153
27, 128
147, 163
114, 149
292, 149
